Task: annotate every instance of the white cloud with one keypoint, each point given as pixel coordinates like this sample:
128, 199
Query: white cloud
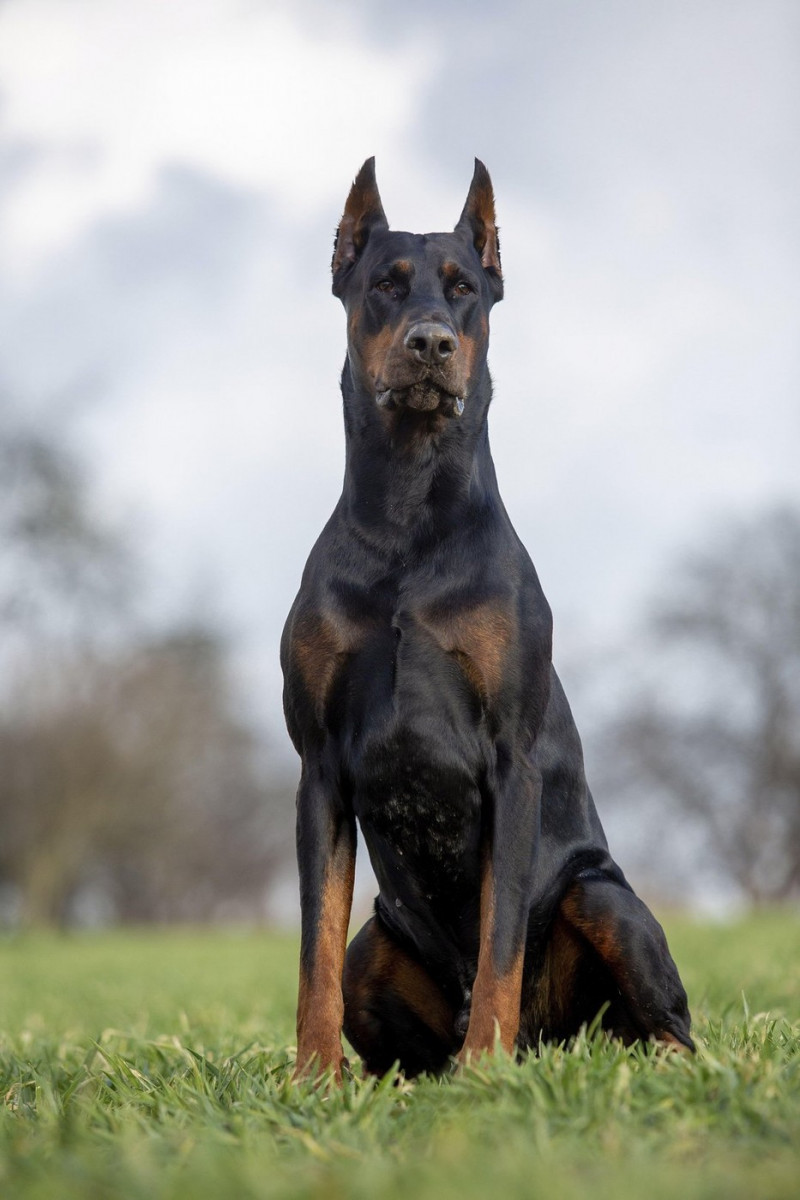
112, 91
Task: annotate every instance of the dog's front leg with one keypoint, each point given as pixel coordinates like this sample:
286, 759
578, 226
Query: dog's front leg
326, 854
509, 853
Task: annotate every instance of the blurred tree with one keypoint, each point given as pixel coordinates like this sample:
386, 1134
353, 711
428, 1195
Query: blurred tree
712, 737
131, 783
60, 566
131, 787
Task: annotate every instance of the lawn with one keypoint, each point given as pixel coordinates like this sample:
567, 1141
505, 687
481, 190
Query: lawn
157, 1064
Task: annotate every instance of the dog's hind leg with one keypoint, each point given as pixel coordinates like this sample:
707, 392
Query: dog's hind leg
649, 997
393, 1010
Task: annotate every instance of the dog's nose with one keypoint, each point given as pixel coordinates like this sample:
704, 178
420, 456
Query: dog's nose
431, 342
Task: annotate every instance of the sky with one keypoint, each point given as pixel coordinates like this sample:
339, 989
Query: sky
170, 179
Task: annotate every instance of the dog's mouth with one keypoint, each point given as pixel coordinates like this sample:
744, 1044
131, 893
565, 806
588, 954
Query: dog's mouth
424, 396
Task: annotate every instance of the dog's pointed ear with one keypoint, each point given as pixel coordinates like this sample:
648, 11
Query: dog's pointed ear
363, 215
478, 221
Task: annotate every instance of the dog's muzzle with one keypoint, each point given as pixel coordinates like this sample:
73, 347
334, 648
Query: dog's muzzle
422, 397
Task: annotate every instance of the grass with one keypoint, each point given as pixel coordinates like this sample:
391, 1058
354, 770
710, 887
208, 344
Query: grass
154, 1065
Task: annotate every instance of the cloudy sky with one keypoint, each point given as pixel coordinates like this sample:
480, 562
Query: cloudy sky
170, 178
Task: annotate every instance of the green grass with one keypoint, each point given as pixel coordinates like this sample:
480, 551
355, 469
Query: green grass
158, 1065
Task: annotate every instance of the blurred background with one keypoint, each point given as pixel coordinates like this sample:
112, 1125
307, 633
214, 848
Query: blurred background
170, 422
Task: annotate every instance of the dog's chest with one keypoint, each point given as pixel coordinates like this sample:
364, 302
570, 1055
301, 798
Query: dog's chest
405, 694
427, 663
418, 807
416, 743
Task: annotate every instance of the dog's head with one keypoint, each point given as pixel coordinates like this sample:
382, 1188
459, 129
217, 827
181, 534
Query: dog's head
417, 304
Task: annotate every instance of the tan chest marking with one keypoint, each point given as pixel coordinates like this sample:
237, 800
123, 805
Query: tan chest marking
479, 638
320, 643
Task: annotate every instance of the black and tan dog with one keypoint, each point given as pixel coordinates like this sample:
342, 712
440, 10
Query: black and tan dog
420, 694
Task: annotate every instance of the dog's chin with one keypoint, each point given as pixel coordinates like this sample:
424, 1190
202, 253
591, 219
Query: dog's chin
424, 397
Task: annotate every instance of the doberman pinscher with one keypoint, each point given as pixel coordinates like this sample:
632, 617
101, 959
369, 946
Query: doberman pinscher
420, 694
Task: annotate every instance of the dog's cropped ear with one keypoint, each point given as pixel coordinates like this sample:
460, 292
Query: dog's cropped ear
477, 220
363, 215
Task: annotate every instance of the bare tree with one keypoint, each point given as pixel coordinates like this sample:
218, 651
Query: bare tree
712, 739
132, 779
62, 569
128, 775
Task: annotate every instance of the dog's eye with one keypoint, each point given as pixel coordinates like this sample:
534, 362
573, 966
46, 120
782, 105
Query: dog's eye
384, 285
462, 288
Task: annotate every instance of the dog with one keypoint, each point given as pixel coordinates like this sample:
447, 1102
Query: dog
420, 694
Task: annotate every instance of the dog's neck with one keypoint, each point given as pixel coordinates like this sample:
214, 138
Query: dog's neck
413, 476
